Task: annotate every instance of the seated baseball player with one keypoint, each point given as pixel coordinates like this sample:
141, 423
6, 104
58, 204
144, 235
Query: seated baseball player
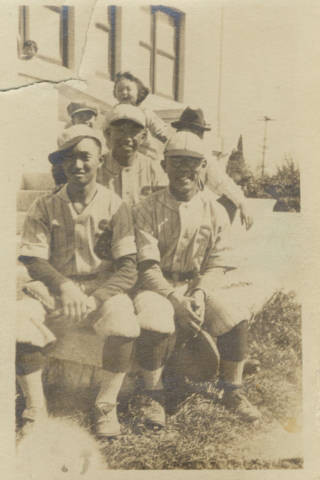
214, 176
79, 248
125, 170
184, 271
79, 113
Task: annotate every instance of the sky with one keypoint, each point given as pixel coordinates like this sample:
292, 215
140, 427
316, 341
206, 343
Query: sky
261, 75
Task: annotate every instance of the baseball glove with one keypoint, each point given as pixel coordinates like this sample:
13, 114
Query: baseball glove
196, 355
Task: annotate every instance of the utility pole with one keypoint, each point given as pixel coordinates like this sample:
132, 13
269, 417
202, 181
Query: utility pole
265, 119
220, 67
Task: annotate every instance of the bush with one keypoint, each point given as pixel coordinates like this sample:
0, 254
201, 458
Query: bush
284, 186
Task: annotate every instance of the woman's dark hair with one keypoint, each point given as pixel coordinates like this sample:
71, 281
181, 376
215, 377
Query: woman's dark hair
143, 91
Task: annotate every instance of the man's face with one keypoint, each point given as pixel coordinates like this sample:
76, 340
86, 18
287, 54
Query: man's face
81, 162
183, 173
85, 117
124, 138
126, 91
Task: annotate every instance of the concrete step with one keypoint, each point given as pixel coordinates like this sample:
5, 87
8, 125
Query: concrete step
25, 198
37, 181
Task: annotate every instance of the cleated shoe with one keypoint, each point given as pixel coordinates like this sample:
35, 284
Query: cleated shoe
152, 409
251, 367
106, 420
236, 401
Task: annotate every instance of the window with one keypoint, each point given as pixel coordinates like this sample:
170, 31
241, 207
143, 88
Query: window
161, 50
50, 27
105, 38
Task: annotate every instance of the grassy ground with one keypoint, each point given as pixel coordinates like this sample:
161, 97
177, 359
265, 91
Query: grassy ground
200, 433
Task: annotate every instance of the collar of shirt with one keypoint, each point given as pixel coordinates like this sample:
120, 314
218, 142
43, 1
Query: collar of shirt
63, 194
171, 202
114, 168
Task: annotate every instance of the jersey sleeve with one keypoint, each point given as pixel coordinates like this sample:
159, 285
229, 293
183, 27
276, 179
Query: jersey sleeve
220, 183
35, 241
123, 241
146, 239
157, 127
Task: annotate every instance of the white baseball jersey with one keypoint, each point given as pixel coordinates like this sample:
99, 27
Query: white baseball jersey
54, 231
182, 236
133, 182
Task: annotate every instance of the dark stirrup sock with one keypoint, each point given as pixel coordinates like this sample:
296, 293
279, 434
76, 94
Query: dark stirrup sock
233, 345
117, 354
29, 358
153, 349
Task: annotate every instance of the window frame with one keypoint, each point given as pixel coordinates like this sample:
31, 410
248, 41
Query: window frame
66, 34
114, 46
179, 25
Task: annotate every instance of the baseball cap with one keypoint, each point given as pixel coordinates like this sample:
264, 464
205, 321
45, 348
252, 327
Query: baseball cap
124, 111
71, 136
185, 144
74, 108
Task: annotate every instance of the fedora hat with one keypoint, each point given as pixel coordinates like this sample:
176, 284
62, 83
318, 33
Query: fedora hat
191, 118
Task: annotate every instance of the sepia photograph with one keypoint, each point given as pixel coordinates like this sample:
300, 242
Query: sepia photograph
159, 268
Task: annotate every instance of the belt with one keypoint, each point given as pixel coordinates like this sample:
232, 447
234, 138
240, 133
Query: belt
180, 276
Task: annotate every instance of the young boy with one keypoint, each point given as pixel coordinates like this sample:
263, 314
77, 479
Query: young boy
214, 177
78, 245
183, 264
81, 113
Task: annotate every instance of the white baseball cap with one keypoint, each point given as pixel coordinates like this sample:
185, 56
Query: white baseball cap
186, 144
71, 136
123, 111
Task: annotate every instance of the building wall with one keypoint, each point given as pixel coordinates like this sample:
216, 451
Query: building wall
199, 72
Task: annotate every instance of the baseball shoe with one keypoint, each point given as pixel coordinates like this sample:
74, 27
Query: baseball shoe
152, 409
251, 367
236, 401
106, 421
31, 416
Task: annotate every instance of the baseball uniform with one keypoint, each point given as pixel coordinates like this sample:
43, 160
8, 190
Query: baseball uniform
53, 231
132, 182
189, 242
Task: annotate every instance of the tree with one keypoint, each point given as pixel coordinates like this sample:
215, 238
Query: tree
236, 166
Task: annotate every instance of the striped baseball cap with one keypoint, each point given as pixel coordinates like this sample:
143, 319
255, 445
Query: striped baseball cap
71, 136
186, 144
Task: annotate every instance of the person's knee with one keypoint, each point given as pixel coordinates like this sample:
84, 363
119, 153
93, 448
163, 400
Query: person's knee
117, 318
154, 313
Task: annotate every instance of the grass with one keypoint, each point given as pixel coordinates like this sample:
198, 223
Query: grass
200, 433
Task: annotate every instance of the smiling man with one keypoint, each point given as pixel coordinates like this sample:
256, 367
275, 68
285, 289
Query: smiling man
184, 265
125, 170
78, 245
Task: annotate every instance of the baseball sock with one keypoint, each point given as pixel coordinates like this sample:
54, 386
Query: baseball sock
231, 373
110, 387
117, 354
233, 347
29, 358
152, 379
116, 362
31, 386
153, 349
